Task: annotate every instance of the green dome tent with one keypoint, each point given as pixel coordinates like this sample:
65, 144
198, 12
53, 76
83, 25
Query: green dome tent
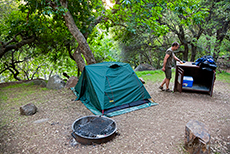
111, 88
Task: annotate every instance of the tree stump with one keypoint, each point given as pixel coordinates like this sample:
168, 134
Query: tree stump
28, 109
72, 81
197, 138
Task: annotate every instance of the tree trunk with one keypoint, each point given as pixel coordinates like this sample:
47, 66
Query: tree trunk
216, 50
181, 36
208, 46
83, 46
150, 58
79, 60
51, 72
193, 56
185, 53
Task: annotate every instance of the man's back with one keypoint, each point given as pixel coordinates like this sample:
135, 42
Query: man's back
169, 60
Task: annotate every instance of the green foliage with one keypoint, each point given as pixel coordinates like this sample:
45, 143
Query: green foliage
83, 12
38, 66
103, 47
145, 22
191, 11
135, 15
217, 26
207, 44
54, 42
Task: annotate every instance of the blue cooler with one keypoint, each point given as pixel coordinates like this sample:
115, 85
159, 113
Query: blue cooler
187, 81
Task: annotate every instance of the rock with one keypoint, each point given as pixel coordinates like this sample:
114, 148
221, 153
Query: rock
197, 138
28, 109
55, 82
144, 67
38, 82
72, 81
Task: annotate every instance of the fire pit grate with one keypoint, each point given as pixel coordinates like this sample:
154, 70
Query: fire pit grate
93, 129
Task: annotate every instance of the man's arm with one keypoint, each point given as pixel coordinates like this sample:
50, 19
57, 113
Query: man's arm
177, 59
165, 61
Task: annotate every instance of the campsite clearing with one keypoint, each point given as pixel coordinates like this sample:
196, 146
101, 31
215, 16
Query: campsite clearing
157, 129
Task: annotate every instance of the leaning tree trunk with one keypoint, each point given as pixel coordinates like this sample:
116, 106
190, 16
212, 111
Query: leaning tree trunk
83, 46
78, 59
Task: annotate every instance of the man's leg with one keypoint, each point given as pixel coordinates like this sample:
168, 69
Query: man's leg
168, 77
167, 81
164, 81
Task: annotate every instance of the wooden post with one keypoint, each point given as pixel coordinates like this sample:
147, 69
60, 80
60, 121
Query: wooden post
197, 138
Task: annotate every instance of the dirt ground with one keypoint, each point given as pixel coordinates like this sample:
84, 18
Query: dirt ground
158, 129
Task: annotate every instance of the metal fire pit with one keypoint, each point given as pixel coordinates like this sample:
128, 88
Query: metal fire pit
93, 129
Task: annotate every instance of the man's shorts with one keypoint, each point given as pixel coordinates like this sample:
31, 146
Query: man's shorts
168, 73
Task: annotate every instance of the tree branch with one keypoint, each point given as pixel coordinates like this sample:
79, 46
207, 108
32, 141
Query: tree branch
5, 48
35, 72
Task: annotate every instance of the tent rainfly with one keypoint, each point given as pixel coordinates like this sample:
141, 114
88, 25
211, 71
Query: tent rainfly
111, 88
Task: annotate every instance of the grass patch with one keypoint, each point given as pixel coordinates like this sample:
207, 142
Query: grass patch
18, 85
154, 76
182, 149
224, 77
3, 98
157, 75
14, 96
44, 89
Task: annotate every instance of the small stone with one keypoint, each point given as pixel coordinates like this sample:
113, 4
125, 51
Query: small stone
40, 121
28, 109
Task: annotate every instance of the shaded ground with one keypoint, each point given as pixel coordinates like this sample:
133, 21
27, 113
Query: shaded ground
157, 129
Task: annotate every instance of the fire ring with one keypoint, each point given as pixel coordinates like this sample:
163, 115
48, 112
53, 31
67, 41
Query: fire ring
94, 129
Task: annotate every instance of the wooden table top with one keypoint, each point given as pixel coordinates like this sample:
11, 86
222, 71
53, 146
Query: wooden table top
187, 64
